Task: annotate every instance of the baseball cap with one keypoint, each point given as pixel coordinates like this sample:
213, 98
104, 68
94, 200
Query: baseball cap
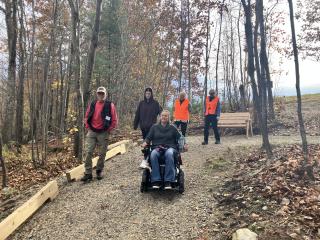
102, 90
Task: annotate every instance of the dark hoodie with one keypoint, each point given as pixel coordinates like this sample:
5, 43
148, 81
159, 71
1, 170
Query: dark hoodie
147, 112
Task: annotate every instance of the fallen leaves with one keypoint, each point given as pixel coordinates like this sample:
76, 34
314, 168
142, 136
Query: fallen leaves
276, 192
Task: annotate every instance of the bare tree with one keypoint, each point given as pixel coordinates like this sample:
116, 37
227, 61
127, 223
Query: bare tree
207, 55
3, 166
182, 42
189, 51
74, 64
88, 75
11, 23
264, 62
46, 85
251, 67
20, 95
221, 9
306, 166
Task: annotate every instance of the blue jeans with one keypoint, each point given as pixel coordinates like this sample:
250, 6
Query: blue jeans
170, 171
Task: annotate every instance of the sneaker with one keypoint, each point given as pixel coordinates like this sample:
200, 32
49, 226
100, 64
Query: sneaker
99, 174
156, 185
167, 186
217, 142
144, 164
86, 178
204, 143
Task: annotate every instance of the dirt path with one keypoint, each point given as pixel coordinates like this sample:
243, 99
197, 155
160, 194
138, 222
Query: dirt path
115, 209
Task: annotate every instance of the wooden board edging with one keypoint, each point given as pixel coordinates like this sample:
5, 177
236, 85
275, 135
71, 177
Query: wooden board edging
77, 172
21, 214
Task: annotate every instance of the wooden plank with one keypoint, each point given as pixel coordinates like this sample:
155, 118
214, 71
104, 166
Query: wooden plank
234, 117
241, 121
77, 172
126, 142
237, 114
231, 126
233, 123
19, 216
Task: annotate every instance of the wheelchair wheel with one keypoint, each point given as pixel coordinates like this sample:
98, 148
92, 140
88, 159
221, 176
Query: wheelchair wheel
144, 181
181, 181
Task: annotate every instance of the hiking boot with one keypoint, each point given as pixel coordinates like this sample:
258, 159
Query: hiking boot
144, 164
217, 142
86, 178
156, 185
204, 143
99, 174
167, 186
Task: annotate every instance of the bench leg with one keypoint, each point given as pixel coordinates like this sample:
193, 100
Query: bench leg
247, 129
222, 131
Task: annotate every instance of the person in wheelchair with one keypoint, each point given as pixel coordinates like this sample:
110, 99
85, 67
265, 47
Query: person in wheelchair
163, 138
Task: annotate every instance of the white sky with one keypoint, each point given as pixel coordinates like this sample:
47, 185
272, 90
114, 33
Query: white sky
309, 69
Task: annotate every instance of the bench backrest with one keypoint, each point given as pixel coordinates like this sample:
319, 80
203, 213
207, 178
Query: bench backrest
234, 118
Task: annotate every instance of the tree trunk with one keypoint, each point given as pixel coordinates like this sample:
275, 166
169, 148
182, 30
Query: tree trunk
219, 42
242, 85
20, 95
189, 53
206, 60
182, 41
74, 62
91, 54
46, 87
32, 104
11, 23
88, 77
306, 166
3, 166
251, 67
264, 62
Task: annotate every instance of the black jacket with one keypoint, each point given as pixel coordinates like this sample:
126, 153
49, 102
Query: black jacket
147, 112
165, 136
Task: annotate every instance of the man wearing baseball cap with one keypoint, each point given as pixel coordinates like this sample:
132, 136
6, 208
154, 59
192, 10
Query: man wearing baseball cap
101, 118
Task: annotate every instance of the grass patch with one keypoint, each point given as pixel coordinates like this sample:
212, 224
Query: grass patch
305, 98
219, 164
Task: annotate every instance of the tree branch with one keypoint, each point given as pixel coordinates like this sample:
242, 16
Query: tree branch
2, 9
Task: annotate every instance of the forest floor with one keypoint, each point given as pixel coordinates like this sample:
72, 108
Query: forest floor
228, 186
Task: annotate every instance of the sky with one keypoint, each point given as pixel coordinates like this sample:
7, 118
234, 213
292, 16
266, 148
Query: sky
309, 69
284, 84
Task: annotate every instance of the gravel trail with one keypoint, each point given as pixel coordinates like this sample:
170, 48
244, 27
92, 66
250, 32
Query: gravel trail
114, 208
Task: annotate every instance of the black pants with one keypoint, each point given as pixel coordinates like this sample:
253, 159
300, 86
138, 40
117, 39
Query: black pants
145, 132
183, 126
211, 120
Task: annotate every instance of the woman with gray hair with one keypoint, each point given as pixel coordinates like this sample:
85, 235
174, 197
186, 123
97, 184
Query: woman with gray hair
164, 139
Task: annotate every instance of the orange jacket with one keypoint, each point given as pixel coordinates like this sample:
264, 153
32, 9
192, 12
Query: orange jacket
181, 110
211, 106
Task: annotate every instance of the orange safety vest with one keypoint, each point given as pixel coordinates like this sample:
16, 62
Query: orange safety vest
181, 111
211, 106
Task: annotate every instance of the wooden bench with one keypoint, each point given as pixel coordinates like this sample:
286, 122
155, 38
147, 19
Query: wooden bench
236, 120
